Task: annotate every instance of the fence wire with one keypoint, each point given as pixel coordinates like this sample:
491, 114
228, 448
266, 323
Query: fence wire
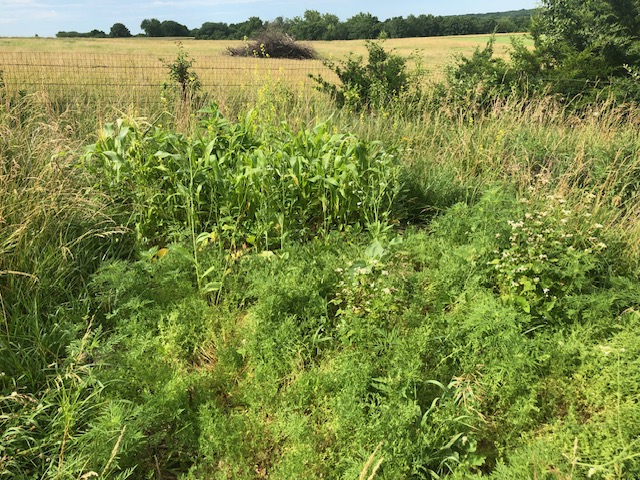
144, 79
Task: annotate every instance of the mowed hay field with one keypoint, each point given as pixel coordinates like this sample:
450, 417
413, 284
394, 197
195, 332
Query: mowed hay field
135, 69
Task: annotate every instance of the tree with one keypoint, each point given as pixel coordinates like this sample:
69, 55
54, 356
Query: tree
213, 31
595, 38
334, 28
174, 29
505, 25
309, 27
97, 34
118, 30
363, 25
248, 28
152, 27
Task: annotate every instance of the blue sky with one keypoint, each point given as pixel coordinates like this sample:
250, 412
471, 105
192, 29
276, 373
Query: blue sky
25, 18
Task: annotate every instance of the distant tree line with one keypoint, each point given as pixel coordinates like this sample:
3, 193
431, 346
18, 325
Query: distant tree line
314, 25
74, 34
118, 30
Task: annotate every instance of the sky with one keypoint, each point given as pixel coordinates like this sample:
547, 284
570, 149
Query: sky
26, 18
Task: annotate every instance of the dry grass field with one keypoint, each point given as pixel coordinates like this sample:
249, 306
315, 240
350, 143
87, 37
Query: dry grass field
435, 50
135, 69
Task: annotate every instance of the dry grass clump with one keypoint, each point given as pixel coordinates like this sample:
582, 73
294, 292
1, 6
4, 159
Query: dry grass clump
274, 44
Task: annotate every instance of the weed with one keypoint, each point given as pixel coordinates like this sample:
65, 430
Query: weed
182, 75
549, 257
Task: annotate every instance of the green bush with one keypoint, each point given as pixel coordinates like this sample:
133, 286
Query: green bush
384, 78
184, 80
582, 55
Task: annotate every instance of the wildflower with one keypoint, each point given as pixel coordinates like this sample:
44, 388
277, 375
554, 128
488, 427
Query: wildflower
605, 349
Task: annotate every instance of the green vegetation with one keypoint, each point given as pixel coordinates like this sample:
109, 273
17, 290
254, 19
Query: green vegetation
184, 79
275, 287
119, 30
583, 52
383, 79
153, 27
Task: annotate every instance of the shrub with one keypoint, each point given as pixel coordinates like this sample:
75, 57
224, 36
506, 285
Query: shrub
184, 80
582, 53
550, 256
476, 82
385, 77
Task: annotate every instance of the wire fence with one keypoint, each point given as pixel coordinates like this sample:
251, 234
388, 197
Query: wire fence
144, 79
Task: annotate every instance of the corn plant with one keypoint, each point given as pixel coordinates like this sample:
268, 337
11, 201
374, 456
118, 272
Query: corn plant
244, 185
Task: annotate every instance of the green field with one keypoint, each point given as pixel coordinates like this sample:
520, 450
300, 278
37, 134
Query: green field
250, 283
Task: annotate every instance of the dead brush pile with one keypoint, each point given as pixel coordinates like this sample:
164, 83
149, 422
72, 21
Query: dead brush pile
274, 44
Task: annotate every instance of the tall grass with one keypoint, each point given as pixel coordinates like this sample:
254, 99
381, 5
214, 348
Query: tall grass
54, 232
54, 227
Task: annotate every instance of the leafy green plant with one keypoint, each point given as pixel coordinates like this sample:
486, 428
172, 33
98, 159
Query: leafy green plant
184, 79
243, 186
476, 82
385, 77
550, 256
